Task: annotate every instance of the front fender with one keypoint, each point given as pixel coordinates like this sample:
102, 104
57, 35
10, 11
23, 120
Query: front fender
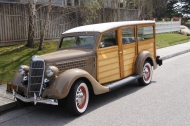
17, 80
62, 84
142, 57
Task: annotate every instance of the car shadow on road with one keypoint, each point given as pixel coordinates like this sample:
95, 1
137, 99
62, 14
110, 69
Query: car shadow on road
97, 101
59, 115
62, 115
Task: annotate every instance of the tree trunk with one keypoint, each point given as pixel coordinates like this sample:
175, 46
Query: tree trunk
139, 8
30, 42
44, 26
32, 16
118, 10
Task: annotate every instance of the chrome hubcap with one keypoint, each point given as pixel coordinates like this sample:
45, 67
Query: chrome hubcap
80, 97
146, 73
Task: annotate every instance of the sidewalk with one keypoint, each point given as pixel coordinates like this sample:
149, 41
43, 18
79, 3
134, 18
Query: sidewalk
171, 51
6, 98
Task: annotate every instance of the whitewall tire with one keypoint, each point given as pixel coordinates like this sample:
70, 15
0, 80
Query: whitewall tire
147, 74
78, 98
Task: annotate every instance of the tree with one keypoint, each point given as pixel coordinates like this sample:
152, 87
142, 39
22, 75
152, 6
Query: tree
173, 9
89, 10
160, 7
32, 20
32, 17
145, 9
185, 7
43, 26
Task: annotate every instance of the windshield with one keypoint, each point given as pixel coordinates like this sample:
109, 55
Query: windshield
77, 41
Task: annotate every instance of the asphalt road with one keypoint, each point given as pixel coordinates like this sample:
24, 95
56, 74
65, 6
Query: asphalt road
165, 102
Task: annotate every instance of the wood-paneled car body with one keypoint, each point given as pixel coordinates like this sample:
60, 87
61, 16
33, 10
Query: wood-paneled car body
94, 58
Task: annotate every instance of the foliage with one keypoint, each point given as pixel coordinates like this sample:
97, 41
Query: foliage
160, 7
172, 9
90, 9
146, 9
186, 7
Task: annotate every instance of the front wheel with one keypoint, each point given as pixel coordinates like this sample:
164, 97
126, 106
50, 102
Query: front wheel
147, 74
77, 100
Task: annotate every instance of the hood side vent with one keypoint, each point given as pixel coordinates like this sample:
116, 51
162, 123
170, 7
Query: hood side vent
71, 65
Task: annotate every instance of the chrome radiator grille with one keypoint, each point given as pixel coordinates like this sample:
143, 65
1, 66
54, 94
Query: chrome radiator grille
36, 76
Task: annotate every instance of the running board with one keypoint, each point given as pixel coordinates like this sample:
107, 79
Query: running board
117, 84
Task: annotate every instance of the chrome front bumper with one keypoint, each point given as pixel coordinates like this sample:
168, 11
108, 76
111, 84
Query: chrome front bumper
35, 99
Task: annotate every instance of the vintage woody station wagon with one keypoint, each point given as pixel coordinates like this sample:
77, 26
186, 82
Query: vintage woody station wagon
94, 58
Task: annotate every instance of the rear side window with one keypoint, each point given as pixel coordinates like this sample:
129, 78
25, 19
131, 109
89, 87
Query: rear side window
128, 35
145, 33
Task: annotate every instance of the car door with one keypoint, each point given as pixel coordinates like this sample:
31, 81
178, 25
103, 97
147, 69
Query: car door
128, 50
108, 58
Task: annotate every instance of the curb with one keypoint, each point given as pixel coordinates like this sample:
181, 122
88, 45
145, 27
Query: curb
175, 54
7, 102
8, 106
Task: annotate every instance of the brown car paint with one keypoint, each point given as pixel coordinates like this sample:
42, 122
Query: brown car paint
61, 86
66, 55
17, 80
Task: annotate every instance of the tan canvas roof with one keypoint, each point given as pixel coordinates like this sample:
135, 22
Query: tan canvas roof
102, 27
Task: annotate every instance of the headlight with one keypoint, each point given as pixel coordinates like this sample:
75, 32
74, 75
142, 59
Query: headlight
23, 69
51, 71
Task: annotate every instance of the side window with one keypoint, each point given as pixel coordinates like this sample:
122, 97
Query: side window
145, 33
108, 39
128, 35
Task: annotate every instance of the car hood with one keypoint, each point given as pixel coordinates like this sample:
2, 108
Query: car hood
62, 55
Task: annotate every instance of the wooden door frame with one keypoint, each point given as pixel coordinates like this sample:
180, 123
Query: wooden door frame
121, 49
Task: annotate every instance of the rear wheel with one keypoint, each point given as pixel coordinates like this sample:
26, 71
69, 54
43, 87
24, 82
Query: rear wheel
147, 74
78, 98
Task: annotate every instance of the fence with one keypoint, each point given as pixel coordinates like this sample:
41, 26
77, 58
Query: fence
167, 26
14, 21
163, 27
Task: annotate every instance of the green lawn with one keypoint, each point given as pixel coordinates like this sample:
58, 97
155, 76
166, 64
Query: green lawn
12, 57
187, 23
168, 39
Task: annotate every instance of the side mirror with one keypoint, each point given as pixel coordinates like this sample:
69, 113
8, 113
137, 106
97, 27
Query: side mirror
102, 45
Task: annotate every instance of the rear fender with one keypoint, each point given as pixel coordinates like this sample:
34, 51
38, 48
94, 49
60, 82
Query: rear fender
142, 57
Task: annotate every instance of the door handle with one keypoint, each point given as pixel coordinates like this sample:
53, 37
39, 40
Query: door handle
120, 52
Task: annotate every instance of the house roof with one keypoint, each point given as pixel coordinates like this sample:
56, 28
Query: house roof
102, 27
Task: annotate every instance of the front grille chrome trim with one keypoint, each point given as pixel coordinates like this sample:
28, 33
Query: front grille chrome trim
36, 76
